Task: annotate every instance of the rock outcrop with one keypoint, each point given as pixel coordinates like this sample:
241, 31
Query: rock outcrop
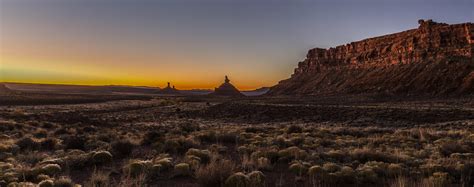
227, 89
434, 59
169, 90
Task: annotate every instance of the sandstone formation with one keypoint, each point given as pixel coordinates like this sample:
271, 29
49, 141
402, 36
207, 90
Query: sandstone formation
434, 59
227, 89
169, 90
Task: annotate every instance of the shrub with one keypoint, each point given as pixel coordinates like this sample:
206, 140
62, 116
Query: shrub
63, 182
151, 137
182, 169
41, 134
294, 129
42, 177
331, 167
204, 155
165, 163
237, 180
99, 179
178, 145
46, 183
316, 173
122, 148
365, 155
49, 144
257, 179
215, 173
439, 179
51, 169
264, 164
447, 148
156, 169
298, 169
193, 161
27, 144
394, 170
227, 137
291, 153
137, 167
366, 175
101, 157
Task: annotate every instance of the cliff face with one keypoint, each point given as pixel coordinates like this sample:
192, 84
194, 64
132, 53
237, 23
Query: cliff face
435, 58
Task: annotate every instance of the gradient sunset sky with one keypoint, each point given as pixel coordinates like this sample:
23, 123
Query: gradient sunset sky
191, 43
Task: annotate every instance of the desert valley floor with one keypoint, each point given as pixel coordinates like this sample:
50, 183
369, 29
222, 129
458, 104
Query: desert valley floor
251, 141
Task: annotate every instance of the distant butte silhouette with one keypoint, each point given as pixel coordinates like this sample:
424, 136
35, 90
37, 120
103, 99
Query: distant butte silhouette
227, 89
169, 89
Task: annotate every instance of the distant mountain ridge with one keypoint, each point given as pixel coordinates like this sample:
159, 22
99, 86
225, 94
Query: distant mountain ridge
80, 89
434, 59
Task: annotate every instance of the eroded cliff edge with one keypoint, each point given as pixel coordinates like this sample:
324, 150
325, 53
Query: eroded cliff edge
434, 59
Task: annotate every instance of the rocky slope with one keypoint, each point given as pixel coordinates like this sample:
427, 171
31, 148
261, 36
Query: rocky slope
434, 59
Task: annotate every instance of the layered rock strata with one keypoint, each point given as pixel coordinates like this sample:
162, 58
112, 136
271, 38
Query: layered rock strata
435, 58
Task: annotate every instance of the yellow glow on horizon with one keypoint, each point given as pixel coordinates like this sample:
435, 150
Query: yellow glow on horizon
41, 71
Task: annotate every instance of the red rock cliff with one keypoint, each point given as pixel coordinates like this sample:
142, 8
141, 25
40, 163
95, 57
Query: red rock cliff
405, 62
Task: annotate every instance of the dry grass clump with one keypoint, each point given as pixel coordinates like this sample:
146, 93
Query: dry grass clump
238, 179
63, 182
101, 157
215, 173
99, 179
203, 155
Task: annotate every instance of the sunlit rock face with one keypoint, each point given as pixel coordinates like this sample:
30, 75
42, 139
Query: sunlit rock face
435, 58
227, 89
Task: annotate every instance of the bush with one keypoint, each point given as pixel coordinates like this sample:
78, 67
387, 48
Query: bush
165, 163
264, 164
156, 170
331, 167
42, 177
291, 153
99, 179
28, 144
298, 169
294, 129
193, 161
101, 157
439, 179
51, 169
137, 167
46, 183
257, 179
365, 155
49, 144
316, 172
182, 169
151, 137
122, 148
204, 155
63, 182
215, 173
237, 180
450, 147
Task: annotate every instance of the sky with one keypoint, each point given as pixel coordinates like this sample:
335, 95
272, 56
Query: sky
191, 43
